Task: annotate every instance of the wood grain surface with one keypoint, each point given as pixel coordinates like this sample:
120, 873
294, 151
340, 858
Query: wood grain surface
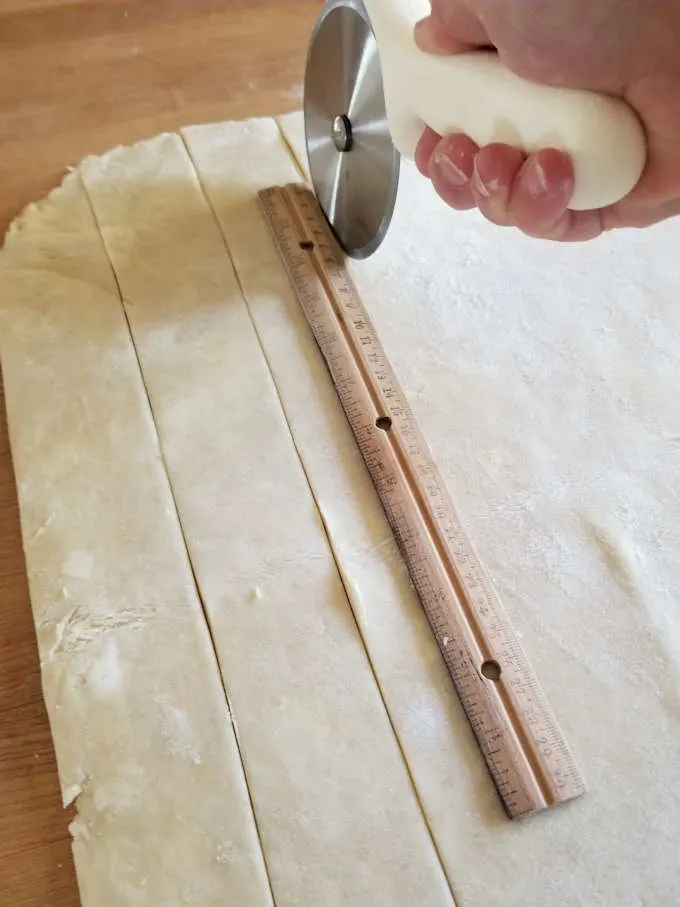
77, 78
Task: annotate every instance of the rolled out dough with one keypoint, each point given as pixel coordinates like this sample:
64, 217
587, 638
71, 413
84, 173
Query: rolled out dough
197, 417
142, 731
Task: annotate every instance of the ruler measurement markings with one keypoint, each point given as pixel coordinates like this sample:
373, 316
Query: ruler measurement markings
516, 746
414, 447
424, 591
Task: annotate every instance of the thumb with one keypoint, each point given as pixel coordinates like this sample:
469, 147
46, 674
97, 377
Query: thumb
450, 29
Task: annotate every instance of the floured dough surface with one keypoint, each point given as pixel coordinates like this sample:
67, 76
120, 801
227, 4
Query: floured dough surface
244, 693
124, 649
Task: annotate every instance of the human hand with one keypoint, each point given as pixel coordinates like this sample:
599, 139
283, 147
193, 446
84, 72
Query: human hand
628, 48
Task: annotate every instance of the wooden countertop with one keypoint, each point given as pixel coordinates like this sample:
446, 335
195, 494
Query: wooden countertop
77, 78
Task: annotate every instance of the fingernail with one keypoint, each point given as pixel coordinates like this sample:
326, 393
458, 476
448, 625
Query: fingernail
451, 172
478, 183
533, 178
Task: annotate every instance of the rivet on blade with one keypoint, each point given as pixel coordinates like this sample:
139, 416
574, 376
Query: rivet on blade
341, 133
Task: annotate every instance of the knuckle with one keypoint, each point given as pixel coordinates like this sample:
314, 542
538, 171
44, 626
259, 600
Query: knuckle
533, 64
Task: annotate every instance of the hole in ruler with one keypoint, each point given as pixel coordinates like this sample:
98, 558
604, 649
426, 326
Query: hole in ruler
384, 423
307, 245
492, 671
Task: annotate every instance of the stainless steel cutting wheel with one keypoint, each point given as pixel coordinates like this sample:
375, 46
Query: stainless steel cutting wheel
353, 164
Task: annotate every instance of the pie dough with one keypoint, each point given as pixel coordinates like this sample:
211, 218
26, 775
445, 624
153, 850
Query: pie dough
321, 755
142, 731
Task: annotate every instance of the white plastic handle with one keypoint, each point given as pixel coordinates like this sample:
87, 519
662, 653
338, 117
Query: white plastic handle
475, 94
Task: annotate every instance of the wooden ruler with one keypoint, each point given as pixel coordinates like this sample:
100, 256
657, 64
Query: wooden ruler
524, 748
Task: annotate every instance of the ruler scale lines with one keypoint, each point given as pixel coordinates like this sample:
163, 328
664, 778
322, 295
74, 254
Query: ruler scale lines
525, 751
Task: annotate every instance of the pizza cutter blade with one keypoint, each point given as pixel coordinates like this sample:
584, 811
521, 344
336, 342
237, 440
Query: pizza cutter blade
353, 163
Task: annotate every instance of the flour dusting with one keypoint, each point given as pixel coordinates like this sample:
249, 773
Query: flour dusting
181, 739
79, 829
227, 853
105, 675
78, 564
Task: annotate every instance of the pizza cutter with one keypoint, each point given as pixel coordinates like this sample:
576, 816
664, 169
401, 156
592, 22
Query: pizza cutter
369, 92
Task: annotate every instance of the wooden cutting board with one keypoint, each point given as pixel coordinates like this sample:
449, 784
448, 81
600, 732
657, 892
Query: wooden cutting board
78, 77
